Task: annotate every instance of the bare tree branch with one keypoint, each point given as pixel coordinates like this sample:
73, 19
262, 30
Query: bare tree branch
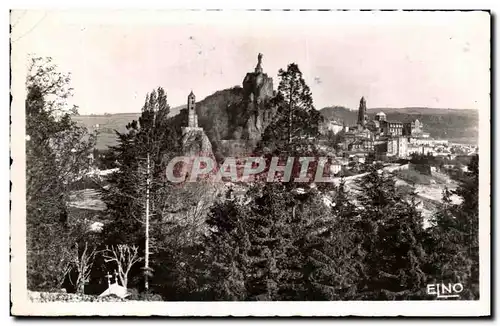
124, 256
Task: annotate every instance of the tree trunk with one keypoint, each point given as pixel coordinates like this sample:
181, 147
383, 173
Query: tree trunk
146, 258
81, 288
290, 115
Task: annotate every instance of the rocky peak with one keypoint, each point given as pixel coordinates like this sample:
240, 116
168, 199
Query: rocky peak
257, 90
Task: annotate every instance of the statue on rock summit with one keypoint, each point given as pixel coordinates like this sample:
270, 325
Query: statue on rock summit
258, 68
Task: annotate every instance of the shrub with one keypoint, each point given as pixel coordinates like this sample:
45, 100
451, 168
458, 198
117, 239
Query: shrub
70, 297
148, 296
135, 295
346, 173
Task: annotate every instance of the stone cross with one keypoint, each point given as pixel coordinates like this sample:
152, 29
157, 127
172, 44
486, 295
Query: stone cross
109, 279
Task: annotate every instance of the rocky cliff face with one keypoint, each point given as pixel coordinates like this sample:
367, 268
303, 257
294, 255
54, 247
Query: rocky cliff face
257, 91
195, 142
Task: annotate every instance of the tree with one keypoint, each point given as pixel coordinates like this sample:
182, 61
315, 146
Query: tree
393, 239
53, 85
310, 219
226, 254
455, 234
140, 197
83, 264
269, 220
177, 242
258, 248
124, 256
335, 138
57, 152
296, 120
337, 261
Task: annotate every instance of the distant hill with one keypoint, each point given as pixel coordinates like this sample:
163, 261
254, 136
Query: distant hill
223, 116
454, 124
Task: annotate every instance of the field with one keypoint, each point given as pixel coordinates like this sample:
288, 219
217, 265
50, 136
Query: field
106, 126
88, 199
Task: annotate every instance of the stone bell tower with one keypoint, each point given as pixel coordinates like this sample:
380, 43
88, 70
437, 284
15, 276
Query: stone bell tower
192, 116
194, 141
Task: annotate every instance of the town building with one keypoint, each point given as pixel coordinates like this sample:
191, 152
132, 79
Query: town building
332, 126
391, 128
335, 166
361, 144
413, 128
386, 137
397, 146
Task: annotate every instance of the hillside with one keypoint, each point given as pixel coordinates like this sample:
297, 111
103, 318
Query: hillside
106, 125
453, 124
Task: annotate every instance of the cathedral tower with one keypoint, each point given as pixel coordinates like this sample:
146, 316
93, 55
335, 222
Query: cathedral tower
362, 112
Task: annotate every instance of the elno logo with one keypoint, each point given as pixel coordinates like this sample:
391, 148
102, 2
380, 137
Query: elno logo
445, 291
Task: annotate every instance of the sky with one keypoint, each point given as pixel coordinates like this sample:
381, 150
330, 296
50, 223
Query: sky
393, 59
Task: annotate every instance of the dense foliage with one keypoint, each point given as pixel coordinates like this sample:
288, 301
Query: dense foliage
57, 152
283, 246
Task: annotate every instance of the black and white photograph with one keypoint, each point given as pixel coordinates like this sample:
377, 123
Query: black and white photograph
300, 163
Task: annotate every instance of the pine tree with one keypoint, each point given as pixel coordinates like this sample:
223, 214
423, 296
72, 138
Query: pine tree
137, 194
227, 252
309, 217
296, 121
455, 258
268, 224
337, 261
393, 239
468, 218
258, 251
279, 223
